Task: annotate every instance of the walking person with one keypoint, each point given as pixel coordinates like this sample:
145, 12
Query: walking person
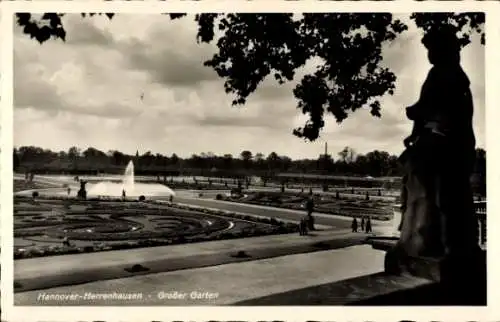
354, 225
303, 226
368, 227
310, 209
66, 241
363, 223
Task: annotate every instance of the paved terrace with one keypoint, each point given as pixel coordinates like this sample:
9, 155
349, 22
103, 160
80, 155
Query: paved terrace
255, 280
51, 271
333, 277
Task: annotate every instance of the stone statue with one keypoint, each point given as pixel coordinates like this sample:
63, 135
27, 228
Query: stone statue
438, 218
82, 193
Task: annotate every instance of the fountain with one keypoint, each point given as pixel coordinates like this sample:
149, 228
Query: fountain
131, 188
128, 177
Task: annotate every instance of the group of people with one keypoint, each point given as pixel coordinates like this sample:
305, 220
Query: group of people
365, 225
29, 176
307, 222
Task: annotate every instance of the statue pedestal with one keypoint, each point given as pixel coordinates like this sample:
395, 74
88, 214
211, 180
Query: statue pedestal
460, 279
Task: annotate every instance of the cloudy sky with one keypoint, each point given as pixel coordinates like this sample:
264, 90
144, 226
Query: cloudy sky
86, 92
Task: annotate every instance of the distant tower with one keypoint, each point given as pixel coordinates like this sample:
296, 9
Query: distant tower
324, 159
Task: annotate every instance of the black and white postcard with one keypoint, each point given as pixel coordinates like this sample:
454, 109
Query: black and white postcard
207, 159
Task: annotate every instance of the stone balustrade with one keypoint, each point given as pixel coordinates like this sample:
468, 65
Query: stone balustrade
479, 208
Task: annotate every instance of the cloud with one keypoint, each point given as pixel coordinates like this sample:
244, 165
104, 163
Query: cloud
87, 92
84, 32
166, 51
166, 64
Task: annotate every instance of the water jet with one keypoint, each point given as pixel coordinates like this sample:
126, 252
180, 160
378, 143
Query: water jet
131, 188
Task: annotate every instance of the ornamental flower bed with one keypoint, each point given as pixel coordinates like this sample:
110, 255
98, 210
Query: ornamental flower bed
113, 233
351, 208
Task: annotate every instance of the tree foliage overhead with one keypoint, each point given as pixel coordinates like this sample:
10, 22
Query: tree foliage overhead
49, 25
252, 47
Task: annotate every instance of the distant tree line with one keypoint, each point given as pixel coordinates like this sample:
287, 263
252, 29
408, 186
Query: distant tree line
92, 161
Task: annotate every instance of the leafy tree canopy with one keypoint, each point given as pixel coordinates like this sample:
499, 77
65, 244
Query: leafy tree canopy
92, 160
254, 46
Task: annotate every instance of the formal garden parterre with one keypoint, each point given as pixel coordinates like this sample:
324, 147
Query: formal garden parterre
43, 224
328, 204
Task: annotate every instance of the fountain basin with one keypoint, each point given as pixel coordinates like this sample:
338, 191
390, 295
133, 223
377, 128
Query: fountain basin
112, 189
128, 187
